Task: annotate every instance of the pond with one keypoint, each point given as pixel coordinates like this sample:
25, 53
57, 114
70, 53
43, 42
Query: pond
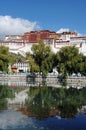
48, 108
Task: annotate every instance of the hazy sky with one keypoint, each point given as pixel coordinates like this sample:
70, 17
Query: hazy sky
19, 16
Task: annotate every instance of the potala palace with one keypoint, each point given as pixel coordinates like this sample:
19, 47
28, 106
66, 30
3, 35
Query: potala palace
23, 43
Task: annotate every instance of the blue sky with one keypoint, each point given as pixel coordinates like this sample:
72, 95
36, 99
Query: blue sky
42, 14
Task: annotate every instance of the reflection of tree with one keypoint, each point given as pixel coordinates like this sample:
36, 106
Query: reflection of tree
67, 110
41, 103
61, 101
3, 104
5, 92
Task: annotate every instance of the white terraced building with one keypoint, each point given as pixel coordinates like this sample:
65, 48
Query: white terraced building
18, 45
79, 42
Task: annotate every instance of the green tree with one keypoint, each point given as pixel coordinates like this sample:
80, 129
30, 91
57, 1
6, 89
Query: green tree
48, 64
43, 56
33, 65
13, 58
69, 60
83, 66
4, 58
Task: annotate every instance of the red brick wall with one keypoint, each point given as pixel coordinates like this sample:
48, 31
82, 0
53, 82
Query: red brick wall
35, 36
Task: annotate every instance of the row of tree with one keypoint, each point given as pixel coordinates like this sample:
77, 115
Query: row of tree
67, 61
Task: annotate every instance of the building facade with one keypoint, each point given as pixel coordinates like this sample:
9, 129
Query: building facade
23, 44
35, 36
20, 67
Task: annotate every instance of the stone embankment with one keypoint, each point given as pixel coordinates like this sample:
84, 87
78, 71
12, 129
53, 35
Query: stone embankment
76, 81
21, 79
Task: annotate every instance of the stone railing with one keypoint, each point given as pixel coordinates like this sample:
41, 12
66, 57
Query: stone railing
20, 79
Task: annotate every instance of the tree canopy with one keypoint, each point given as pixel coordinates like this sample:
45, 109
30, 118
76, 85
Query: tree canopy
4, 58
42, 55
33, 65
70, 60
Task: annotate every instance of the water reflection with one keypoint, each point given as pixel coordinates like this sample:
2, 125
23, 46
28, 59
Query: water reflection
46, 102
5, 92
46, 108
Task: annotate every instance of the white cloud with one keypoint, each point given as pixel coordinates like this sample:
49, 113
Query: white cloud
16, 26
63, 30
67, 30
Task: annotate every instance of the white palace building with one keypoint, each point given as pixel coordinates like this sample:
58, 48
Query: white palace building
23, 44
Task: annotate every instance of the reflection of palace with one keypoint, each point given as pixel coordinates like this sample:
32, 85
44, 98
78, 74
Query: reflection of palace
82, 110
23, 44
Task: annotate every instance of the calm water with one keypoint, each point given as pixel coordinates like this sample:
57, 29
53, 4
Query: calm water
17, 121
49, 109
